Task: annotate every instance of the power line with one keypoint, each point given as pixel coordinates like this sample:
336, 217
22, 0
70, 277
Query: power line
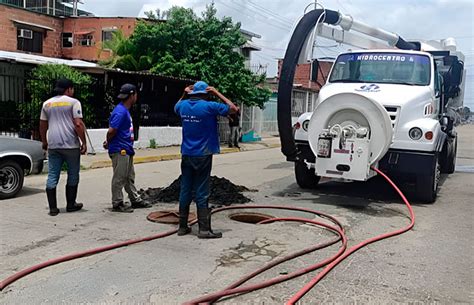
281, 27
265, 13
267, 57
269, 11
259, 12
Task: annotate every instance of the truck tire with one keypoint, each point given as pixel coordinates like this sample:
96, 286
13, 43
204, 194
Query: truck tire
427, 185
306, 178
11, 179
448, 161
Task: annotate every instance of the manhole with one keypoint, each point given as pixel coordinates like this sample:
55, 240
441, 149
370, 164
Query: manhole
168, 216
248, 217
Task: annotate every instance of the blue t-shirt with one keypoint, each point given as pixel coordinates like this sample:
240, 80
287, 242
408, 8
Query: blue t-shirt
122, 121
199, 119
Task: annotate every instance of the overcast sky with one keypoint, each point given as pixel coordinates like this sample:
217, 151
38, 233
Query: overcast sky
275, 19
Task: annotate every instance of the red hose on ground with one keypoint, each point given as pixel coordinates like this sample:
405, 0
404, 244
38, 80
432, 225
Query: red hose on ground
353, 249
73, 256
69, 257
332, 262
234, 288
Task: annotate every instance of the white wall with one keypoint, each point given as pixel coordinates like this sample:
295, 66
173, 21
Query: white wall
164, 136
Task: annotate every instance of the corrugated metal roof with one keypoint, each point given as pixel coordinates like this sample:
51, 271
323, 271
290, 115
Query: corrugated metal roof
148, 73
41, 60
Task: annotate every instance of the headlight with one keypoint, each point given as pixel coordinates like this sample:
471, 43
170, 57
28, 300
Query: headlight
305, 125
415, 133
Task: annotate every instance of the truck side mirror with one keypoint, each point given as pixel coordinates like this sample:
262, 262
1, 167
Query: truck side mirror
456, 73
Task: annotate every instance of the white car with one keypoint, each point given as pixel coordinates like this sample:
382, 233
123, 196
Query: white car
18, 157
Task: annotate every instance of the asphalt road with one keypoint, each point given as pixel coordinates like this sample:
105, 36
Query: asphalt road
433, 263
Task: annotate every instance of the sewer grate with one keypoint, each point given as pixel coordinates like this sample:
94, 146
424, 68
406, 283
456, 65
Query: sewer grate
248, 217
168, 216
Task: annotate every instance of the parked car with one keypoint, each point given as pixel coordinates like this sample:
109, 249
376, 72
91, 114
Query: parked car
18, 157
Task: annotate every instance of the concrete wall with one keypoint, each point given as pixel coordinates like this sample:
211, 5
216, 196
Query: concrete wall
164, 136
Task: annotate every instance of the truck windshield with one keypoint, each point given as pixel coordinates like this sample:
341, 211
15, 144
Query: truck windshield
387, 68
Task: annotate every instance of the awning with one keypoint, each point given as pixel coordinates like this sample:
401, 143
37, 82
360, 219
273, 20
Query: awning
34, 25
83, 32
40, 60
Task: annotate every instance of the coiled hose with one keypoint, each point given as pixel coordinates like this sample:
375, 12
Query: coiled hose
236, 288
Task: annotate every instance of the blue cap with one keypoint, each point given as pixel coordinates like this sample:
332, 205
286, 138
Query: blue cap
200, 88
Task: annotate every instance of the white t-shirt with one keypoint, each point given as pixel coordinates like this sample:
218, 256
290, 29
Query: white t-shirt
60, 112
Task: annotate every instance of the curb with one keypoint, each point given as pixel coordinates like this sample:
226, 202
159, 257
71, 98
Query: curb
148, 159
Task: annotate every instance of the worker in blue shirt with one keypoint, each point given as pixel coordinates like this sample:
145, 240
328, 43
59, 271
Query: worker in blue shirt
119, 142
200, 141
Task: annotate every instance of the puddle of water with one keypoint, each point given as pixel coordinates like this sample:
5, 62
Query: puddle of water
465, 169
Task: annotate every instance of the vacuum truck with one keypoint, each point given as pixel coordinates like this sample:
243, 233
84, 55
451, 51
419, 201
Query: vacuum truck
389, 104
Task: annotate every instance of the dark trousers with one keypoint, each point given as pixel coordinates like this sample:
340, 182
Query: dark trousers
195, 176
234, 136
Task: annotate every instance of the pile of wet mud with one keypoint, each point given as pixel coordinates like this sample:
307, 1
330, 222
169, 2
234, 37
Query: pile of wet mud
222, 192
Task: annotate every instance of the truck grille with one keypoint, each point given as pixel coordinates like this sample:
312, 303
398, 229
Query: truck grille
393, 114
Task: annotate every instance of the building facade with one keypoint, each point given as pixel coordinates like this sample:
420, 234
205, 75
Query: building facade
80, 37
308, 80
60, 8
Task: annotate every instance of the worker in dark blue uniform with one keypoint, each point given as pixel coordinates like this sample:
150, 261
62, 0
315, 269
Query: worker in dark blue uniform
200, 141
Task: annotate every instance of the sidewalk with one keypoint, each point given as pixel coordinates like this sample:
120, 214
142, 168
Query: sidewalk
101, 160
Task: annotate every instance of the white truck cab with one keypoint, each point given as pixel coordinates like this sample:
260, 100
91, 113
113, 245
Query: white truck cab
386, 108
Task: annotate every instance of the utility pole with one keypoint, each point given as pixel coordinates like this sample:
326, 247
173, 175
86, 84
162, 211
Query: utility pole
74, 8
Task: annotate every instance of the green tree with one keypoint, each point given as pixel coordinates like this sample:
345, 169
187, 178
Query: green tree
41, 85
202, 48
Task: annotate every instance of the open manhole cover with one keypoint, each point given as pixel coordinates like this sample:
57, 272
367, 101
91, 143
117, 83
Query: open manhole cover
168, 216
248, 217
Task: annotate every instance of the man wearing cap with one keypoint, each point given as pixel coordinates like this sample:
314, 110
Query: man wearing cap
63, 136
200, 142
119, 143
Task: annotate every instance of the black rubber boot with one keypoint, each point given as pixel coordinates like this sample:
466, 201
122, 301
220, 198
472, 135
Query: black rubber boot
141, 204
183, 221
52, 202
204, 221
71, 194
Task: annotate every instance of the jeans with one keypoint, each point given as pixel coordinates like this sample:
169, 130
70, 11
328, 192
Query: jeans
123, 178
195, 176
56, 158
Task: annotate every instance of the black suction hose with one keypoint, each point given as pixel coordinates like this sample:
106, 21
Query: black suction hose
287, 74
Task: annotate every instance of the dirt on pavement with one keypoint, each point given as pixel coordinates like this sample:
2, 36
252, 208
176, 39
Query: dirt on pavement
222, 192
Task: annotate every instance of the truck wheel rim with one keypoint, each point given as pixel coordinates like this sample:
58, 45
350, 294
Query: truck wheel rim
11, 179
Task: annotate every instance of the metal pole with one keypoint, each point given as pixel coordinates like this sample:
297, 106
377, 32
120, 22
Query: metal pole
74, 8
92, 152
